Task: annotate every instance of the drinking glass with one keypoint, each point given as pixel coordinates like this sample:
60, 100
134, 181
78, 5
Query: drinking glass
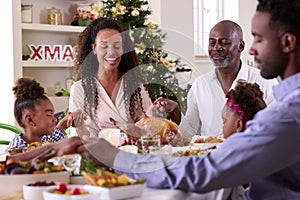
150, 143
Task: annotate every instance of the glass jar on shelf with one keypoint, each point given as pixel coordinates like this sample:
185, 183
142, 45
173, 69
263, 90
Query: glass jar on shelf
26, 12
54, 16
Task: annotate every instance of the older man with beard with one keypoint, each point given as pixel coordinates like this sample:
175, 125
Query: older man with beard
206, 97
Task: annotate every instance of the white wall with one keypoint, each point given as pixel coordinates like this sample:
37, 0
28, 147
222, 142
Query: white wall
7, 69
176, 18
7, 66
155, 17
247, 9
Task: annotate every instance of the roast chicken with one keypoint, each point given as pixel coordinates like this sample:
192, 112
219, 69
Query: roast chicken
169, 131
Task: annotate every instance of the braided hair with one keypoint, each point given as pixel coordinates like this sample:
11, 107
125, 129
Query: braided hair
28, 93
86, 69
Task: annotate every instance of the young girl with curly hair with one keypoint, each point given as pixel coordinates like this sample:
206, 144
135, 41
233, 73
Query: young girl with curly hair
242, 104
34, 112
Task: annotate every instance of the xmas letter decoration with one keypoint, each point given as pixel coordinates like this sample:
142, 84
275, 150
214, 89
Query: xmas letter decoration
46, 52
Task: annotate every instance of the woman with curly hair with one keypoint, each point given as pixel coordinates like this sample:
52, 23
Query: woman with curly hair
242, 104
34, 112
110, 84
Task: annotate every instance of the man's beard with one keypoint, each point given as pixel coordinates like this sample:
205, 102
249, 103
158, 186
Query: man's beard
221, 65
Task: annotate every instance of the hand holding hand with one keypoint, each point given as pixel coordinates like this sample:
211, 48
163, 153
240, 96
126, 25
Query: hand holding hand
79, 118
65, 122
67, 146
172, 107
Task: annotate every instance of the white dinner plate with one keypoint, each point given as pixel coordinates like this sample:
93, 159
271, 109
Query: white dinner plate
189, 151
120, 192
206, 145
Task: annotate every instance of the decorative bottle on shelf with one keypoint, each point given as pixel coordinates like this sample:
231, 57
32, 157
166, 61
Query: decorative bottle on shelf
54, 16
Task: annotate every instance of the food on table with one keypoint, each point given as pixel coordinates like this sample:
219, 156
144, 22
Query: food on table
46, 143
14, 169
33, 145
108, 179
62, 189
30, 147
209, 139
191, 152
2, 165
35, 166
169, 131
41, 183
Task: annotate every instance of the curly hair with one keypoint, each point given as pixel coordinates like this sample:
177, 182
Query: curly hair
86, 68
28, 93
284, 14
249, 97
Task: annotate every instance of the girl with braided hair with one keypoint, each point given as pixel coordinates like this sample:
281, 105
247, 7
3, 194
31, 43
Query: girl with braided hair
109, 83
34, 112
242, 104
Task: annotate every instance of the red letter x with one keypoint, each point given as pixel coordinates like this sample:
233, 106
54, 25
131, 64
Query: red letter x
35, 52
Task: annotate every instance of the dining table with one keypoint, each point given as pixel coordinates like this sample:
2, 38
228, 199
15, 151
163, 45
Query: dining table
235, 193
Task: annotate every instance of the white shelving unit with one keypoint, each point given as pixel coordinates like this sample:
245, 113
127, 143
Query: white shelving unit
52, 28
31, 63
48, 73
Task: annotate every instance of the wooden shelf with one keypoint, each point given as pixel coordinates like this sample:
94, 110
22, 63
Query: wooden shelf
52, 28
32, 63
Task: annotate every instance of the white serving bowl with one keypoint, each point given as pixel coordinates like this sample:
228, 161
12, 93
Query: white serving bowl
34, 192
94, 193
12, 183
112, 135
121, 192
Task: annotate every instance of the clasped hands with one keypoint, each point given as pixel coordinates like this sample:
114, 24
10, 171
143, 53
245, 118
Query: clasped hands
162, 105
97, 150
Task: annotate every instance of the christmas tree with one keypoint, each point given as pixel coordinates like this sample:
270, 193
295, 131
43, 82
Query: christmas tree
149, 41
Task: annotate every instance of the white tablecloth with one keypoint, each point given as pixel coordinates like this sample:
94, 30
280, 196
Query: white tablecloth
155, 194
235, 193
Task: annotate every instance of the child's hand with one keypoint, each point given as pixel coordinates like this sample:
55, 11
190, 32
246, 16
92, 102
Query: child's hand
75, 119
65, 122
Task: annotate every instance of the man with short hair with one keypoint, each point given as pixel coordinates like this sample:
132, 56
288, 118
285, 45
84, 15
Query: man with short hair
206, 97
